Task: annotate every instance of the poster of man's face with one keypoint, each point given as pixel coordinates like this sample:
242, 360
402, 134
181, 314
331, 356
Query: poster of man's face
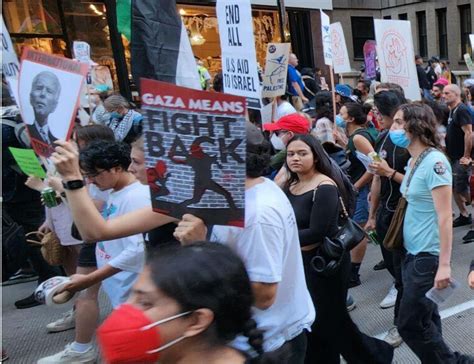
48, 98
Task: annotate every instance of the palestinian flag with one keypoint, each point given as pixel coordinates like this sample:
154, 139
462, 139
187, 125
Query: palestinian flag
159, 42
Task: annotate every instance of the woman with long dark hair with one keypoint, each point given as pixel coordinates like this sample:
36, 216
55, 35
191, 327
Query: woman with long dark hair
185, 308
427, 233
314, 190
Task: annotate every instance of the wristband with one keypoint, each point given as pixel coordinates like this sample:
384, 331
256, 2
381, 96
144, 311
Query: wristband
393, 174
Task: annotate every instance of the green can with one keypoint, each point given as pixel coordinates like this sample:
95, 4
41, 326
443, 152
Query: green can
49, 197
373, 237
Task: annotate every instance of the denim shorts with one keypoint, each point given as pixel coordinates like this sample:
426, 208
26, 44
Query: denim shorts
361, 213
461, 176
87, 256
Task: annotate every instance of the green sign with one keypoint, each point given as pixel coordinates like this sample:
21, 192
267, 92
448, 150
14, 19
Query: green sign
28, 162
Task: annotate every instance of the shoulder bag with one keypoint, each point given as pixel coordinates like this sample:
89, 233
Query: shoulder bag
394, 237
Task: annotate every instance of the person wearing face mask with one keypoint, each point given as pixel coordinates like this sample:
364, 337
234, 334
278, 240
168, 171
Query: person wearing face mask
385, 193
281, 132
124, 122
184, 308
427, 233
360, 141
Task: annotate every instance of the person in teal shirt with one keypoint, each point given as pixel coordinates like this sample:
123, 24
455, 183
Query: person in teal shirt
427, 233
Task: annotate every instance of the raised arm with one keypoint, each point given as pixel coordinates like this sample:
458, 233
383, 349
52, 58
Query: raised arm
90, 223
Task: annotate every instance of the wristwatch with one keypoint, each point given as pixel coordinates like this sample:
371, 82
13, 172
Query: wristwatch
73, 185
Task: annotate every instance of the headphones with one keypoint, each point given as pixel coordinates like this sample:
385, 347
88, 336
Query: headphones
330, 256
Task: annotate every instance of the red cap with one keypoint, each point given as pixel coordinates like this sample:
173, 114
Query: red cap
294, 122
441, 81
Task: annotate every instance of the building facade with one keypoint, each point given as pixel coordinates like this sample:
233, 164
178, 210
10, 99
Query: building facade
440, 28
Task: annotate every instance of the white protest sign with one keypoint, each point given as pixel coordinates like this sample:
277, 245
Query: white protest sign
469, 64
396, 55
340, 57
239, 61
471, 38
326, 36
10, 64
82, 51
276, 68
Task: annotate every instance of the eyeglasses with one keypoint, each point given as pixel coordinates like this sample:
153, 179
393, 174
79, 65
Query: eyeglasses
94, 174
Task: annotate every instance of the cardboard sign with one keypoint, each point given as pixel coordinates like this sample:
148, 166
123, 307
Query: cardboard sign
239, 61
469, 64
276, 69
195, 152
28, 162
396, 55
370, 56
49, 88
10, 64
340, 57
326, 36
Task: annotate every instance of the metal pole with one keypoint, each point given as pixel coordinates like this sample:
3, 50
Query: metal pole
282, 19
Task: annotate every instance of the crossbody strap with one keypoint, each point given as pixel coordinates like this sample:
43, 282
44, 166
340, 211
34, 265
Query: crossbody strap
415, 167
344, 210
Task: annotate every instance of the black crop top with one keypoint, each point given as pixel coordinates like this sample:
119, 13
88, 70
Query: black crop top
316, 219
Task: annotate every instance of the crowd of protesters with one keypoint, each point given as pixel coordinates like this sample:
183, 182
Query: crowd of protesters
184, 291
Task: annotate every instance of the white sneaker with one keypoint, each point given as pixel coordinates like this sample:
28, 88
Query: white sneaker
390, 298
393, 337
66, 322
70, 356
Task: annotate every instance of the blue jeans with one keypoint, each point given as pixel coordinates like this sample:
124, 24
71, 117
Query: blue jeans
419, 323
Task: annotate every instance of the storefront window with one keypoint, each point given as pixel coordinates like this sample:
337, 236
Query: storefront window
32, 16
201, 24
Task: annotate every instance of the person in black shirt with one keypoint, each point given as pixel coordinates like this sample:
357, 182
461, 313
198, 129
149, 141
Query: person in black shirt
423, 78
458, 149
315, 192
385, 193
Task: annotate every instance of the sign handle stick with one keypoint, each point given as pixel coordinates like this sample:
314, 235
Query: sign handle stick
333, 97
341, 77
274, 105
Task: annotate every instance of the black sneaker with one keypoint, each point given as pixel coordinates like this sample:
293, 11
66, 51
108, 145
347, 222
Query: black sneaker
27, 302
469, 235
380, 265
462, 220
21, 276
354, 281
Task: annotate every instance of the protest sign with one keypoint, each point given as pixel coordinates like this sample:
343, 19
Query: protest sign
82, 52
340, 57
396, 55
239, 61
276, 69
28, 162
49, 88
469, 64
10, 64
471, 38
370, 62
326, 36
195, 152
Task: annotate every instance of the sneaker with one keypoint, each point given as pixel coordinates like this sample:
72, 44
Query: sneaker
66, 322
21, 276
462, 220
350, 303
469, 236
4, 356
390, 298
354, 281
380, 265
393, 337
27, 302
70, 356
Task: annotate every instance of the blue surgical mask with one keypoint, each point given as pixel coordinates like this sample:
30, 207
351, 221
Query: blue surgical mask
399, 138
340, 122
116, 115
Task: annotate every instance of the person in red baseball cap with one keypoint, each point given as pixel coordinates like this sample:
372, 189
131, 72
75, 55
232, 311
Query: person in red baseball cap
281, 133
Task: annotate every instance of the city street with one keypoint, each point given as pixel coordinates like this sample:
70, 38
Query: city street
26, 340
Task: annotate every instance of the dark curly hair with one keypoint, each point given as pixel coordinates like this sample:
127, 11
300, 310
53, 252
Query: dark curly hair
421, 123
257, 159
193, 276
102, 154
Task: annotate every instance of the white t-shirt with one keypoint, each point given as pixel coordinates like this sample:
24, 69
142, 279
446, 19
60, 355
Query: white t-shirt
127, 253
285, 108
270, 249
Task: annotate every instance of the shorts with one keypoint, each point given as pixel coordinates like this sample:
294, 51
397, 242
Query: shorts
461, 177
87, 256
361, 213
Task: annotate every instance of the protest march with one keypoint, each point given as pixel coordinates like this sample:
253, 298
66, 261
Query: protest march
237, 181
